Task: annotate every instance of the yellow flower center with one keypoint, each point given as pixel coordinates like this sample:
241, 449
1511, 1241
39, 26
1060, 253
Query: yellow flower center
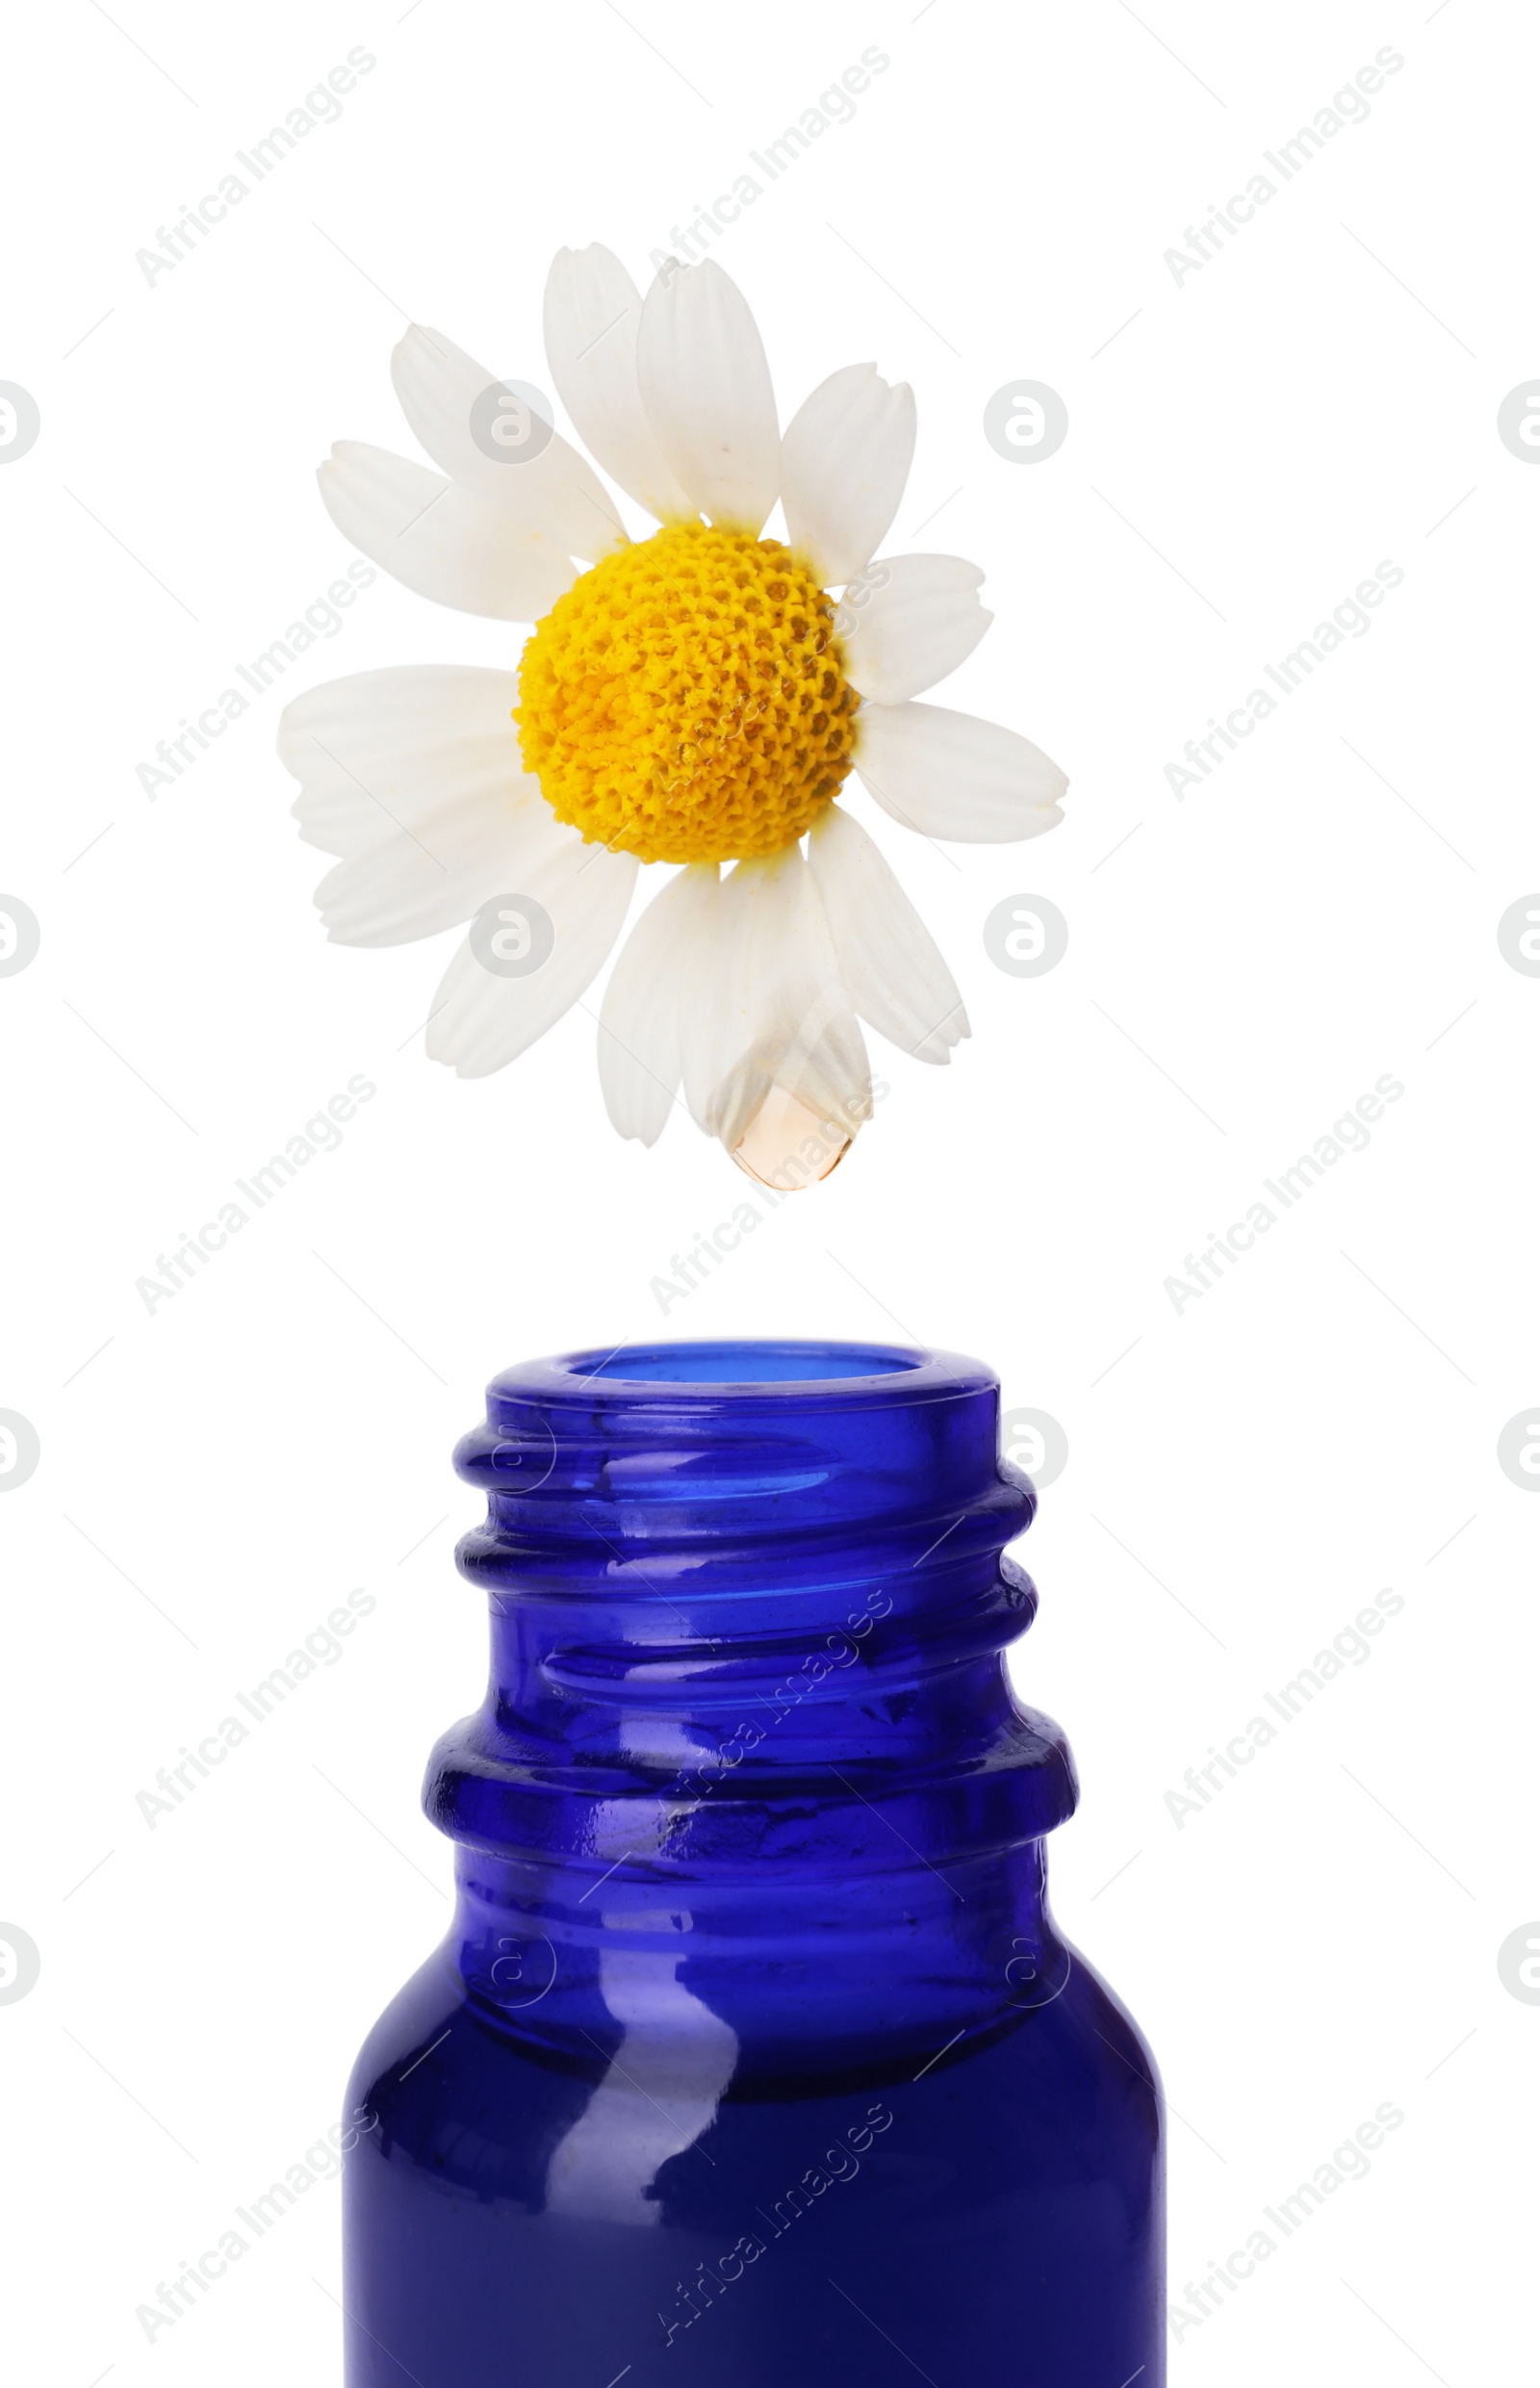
685, 699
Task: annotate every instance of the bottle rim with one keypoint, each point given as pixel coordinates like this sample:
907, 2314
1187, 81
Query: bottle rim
746, 1370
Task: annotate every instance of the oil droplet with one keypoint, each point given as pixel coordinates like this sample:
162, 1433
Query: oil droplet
786, 1146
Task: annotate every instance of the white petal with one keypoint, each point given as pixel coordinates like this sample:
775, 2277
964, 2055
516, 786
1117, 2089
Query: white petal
593, 309
843, 464
908, 621
443, 541
887, 959
555, 492
639, 1018
706, 386
711, 1032
382, 748
414, 778
481, 1021
778, 1013
394, 894
949, 775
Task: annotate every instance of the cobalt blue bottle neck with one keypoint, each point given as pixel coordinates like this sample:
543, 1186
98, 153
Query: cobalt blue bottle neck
748, 1707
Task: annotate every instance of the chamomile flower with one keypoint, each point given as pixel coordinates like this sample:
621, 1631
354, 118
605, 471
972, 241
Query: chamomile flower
699, 699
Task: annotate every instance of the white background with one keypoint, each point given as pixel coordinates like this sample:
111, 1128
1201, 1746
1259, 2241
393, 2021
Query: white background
1244, 1474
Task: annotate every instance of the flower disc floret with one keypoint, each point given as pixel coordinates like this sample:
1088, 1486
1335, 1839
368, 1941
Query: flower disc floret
685, 701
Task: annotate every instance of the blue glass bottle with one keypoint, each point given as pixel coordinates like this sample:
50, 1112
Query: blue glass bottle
753, 2057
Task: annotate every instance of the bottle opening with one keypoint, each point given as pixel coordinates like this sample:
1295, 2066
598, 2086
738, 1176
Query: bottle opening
623, 1452
749, 1364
